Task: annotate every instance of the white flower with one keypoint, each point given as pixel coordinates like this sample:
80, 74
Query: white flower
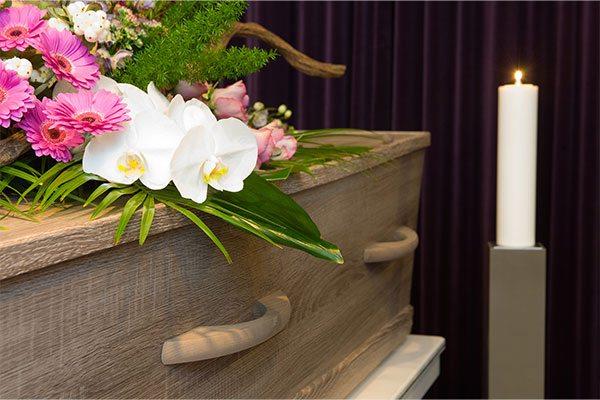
143, 151
221, 155
260, 118
58, 24
41, 75
177, 140
76, 8
21, 66
159, 99
93, 25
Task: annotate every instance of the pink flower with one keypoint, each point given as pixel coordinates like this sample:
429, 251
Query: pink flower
45, 140
273, 143
86, 111
20, 27
16, 96
231, 101
191, 90
285, 148
265, 145
68, 57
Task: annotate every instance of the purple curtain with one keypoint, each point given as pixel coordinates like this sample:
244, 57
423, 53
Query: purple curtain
436, 67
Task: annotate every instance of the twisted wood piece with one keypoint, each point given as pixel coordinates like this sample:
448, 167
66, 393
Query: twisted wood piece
296, 59
12, 148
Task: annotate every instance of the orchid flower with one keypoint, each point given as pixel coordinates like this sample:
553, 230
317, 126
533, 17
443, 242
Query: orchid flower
143, 150
177, 140
220, 154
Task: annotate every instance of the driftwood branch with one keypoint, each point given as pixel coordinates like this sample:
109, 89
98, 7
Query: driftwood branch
296, 59
12, 148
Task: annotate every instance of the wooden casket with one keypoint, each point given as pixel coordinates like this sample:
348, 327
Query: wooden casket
83, 318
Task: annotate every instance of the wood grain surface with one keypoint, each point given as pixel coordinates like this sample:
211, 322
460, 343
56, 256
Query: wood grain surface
93, 326
62, 235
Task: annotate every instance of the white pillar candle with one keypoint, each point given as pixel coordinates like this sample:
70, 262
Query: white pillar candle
517, 149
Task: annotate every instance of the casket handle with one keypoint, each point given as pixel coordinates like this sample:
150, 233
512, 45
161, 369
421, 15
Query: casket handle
406, 243
205, 342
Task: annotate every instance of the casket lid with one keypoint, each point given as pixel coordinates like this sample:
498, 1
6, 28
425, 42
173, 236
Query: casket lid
64, 234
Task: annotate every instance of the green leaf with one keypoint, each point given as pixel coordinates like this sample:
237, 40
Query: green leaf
66, 189
276, 174
314, 133
99, 191
50, 191
5, 182
110, 198
276, 215
170, 194
128, 210
27, 167
198, 222
43, 179
76, 183
18, 173
147, 218
8, 206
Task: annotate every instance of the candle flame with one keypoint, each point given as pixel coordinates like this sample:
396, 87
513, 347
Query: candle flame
518, 77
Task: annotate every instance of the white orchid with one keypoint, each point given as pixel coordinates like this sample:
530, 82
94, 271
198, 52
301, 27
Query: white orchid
171, 140
221, 155
143, 150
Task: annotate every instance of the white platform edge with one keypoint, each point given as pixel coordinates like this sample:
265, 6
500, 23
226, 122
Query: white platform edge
407, 373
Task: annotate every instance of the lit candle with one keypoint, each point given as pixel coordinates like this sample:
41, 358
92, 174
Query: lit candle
517, 149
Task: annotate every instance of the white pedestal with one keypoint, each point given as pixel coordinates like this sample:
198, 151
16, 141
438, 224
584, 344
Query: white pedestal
407, 373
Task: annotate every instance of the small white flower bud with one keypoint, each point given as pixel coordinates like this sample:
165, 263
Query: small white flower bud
287, 114
260, 118
282, 108
58, 24
76, 8
93, 25
21, 66
258, 106
40, 75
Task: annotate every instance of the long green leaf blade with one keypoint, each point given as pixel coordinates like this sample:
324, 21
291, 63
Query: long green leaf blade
128, 210
276, 215
99, 191
110, 198
43, 179
147, 218
198, 222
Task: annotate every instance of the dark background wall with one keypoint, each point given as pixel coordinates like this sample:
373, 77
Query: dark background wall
436, 67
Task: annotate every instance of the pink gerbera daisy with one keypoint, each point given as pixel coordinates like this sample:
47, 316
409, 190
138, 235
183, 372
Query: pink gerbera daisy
16, 96
46, 140
20, 27
68, 57
86, 111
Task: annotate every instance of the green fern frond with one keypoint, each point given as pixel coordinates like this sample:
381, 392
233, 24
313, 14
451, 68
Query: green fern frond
187, 48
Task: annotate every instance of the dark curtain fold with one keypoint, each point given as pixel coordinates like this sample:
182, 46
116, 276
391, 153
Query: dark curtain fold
436, 66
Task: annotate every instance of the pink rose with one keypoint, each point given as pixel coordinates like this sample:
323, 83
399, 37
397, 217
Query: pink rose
191, 90
268, 137
231, 101
265, 145
284, 148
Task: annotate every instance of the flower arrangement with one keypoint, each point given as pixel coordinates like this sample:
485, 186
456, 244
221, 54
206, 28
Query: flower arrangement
121, 105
